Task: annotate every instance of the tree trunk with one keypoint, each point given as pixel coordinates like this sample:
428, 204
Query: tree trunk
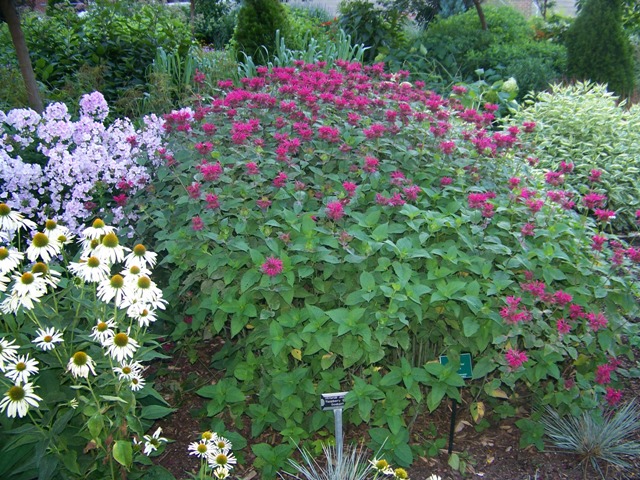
483, 20
10, 14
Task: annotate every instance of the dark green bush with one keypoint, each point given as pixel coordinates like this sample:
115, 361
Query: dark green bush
598, 47
255, 34
305, 23
215, 21
456, 47
381, 29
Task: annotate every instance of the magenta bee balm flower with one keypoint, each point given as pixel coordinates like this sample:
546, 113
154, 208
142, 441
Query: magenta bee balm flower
272, 266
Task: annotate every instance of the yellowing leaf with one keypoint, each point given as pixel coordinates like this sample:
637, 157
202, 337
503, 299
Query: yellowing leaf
497, 393
440, 310
477, 411
296, 353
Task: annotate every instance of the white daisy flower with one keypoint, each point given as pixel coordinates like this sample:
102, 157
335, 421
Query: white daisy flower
151, 443
10, 258
47, 338
222, 444
97, 230
18, 399
103, 331
10, 220
145, 290
201, 449
4, 281
88, 246
143, 313
380, 465
50, 277
126, 371
80, 365
90, 270
121, 346
57, 232
8, 352
220, 459
20, 370
137, 382
133, 272
29, 285
43, 247
209, 436
112, 289
220, 473
141, 257
110, 250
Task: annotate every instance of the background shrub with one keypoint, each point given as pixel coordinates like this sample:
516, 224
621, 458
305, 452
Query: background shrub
215, 21
584, 125
598, 47
255, 33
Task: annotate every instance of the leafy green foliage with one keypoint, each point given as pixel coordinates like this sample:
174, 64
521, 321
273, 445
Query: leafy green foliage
255, 33
215, 21
598, 47
456, 47
380, 29
583, 124
318, 290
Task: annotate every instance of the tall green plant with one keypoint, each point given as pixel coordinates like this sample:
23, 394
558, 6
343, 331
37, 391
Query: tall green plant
598, 47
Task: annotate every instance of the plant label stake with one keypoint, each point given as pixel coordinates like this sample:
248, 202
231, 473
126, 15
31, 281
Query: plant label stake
465, 371
335, 402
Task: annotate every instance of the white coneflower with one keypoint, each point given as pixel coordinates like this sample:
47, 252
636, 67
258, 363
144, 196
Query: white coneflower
10, 258
80, 365
91, 270
57, 232
222, 443
137, 382
47, 338
209, 436
8, 352
380, 465
18, 399
220, 473
28, 287
133, 272
141, 257
10, 220
112, 289
141, 312
43, 247
97, 230
20, 370
126, 371
4, 281
201, 449
110, 250
88, 246
151, 443
50, 277
121, 347
103, 331
220, 459
145, 290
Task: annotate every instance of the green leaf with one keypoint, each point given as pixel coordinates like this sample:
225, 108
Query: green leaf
95, 425
123, 453
154, 412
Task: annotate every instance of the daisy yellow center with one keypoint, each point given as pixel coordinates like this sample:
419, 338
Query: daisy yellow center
102, 327
47, 339
221, 459
80, 359
121, 339
16, 393
40, 268
110, 240
139, 250
202, 448
117, 281
98, 223
27, 278
93, 262
4, 253
401, 473
135, 381
40, 240
5, 210
135, 270
21, 366
94, 243
62, 239
221, 445
144, 282
126, 370
50, 224
381, 464
144, 313
207, 435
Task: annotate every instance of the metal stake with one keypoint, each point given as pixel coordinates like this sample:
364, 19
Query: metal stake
454, 406
337, 416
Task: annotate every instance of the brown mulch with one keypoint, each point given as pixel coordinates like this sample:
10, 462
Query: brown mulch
491, 454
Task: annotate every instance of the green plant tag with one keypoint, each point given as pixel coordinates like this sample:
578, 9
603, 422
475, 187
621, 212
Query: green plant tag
465, 370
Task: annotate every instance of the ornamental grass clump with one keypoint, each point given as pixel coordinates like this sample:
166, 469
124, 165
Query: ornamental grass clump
74, 340
342, 227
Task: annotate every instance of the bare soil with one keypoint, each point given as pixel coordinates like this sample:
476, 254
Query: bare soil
491, 454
